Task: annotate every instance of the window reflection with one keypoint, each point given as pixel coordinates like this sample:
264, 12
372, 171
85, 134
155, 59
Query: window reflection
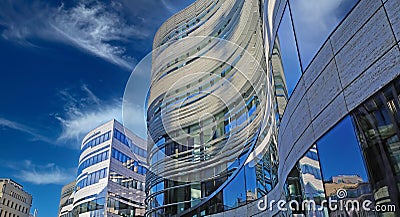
377, 123
285, 62
234, 194
314, 20
304, 183
279, 79
337, 163
343, 167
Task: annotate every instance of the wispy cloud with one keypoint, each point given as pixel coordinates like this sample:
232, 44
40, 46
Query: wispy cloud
77, 123
80, 116
91, 95
168, 6
25, 129
112, 30
93, 26
50, 173
98, 29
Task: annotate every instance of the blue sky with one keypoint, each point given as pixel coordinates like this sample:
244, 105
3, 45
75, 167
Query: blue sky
64, 66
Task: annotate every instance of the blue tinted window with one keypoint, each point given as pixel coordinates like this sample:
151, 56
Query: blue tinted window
96, 141
92, 160
124, 158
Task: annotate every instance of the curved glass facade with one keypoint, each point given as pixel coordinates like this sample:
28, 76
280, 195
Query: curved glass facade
212, 111
228, 80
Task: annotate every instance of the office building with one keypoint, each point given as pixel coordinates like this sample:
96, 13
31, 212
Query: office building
212, 110
14, 201
111, 174
67, 200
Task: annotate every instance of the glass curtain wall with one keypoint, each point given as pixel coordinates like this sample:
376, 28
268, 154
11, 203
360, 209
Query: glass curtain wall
313, 21
359, 156
300, 36
377, 122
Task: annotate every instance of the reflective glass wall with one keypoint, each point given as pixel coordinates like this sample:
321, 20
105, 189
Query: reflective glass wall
333, 170
206, 128
343, 169
304, 28
356, 163
377, 122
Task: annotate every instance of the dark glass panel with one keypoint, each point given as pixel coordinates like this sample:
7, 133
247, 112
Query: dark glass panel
377, 123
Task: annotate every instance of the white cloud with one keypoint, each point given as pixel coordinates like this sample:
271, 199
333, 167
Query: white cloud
80, 118
43, 174
78, 123
25, 129
168, 6
90, 94
93, 26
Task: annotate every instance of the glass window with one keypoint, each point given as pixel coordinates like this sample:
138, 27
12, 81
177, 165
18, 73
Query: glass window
102, 174
341, 141
251, 182
105, 173
342, 165
96, 180
140, 171
314, 21
107, 136
234, 194
123, 160
377, 122
123, 138
92, 178
115, 153
118, 135
89, 179
285, 61
120, 156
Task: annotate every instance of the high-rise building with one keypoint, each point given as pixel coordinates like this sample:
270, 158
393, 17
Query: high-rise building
67, 200
111, 173
14, 201
212, 110
253, 98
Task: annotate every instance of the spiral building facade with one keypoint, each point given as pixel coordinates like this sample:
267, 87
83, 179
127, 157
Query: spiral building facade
212, 111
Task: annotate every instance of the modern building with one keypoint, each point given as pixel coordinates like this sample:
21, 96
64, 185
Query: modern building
212, 110
243, 104
111, 174
67, 200
14, 201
